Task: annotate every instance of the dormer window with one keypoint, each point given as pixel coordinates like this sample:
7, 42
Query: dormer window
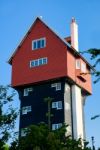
38, 43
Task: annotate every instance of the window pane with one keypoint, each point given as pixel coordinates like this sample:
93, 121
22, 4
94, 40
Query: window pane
53, 85
36, 63
40, 62
32, 63
56, 126
25, 92
59, 105
54, 105
23, 132
24, 110
44, 60
59, 125
29, 108
38, 44
58, 86
34, 45
43, 43
30, 89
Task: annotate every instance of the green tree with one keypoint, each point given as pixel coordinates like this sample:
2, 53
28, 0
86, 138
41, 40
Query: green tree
39, 137
95, 56
8, 115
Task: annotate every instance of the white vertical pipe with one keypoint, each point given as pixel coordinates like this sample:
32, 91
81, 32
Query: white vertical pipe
77, 112
74, 34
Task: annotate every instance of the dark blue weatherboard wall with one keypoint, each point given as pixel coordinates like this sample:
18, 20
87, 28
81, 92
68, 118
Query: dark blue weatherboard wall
39, 107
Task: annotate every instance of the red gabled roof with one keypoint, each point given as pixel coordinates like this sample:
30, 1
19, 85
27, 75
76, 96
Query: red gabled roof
63, 40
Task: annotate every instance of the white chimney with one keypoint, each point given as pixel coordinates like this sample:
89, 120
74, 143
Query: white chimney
74, 34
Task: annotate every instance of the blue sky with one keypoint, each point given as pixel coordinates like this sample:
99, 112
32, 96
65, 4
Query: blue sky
16, 16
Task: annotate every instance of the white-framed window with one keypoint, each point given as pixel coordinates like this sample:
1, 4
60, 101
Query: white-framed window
57, 86
56, 126
27, 91
57, 105
78, 64
83, 67
26, 109
38, 43
23, 132
38, 62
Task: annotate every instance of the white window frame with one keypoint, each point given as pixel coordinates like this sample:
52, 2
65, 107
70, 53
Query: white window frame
56, 126
36, 41
26, 109
57, 86
57, 105
78, 64
27, 90
23, 132
44, 61
54, 104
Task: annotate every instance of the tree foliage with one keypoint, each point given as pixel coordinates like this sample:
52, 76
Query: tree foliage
39, 137
95, 55
8, 114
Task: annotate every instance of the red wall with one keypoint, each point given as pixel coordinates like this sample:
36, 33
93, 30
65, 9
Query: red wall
55, 50
61, 61
73, 73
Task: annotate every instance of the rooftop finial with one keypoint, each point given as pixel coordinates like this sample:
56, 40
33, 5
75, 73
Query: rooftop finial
41, 17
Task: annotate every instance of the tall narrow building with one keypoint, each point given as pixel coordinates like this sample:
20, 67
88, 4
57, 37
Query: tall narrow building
45, 65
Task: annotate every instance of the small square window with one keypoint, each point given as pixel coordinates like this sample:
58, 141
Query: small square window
27, 91
23, 132
56, 126
26, 109
58, 86
57, 105
30, 89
